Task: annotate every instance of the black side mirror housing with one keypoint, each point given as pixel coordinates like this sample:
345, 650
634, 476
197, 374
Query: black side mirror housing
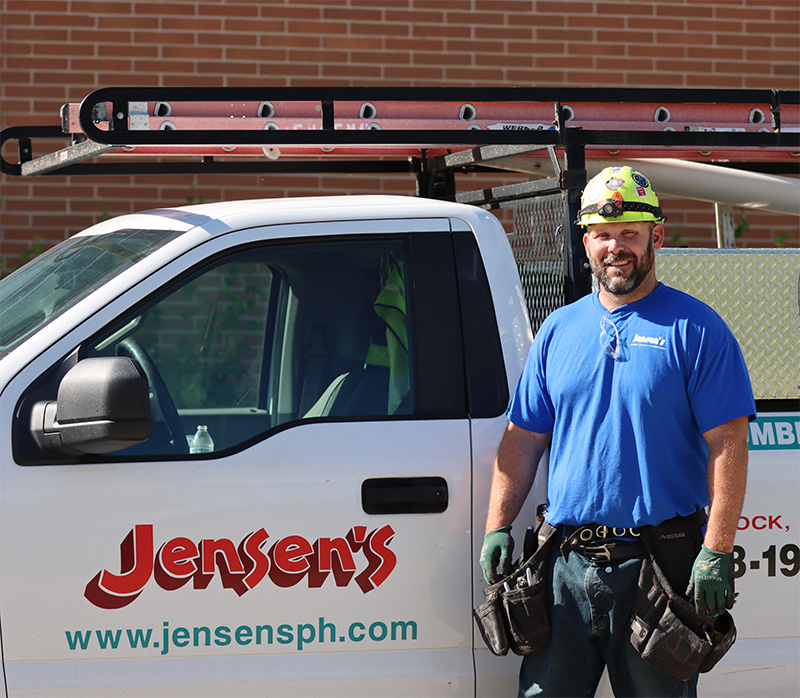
103, 405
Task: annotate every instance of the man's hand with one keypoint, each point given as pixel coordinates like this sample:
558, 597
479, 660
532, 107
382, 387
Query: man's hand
711, 583
498, 547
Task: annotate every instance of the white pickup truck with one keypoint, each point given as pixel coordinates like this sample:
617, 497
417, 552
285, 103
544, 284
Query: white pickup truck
352, 359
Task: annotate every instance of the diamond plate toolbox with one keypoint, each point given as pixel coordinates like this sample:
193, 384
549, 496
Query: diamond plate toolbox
757, 292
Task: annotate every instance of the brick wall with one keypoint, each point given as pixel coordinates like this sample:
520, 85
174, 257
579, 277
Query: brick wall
56, 51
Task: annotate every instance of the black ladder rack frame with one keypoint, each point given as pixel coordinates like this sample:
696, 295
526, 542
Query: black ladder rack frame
469, 150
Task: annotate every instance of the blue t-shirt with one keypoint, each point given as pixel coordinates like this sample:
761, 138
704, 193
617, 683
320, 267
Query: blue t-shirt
628, 446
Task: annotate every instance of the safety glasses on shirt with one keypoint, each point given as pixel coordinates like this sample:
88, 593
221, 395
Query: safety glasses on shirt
609, 336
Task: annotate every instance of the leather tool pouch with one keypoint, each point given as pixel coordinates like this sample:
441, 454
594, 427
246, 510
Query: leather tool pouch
491, 623
667, 631
515, 614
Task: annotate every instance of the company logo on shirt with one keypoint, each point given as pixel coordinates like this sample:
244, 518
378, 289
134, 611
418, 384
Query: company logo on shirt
640, 340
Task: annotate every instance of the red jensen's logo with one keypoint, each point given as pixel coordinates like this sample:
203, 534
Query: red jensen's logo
241, 567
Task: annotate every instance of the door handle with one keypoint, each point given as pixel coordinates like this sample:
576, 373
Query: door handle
404, 495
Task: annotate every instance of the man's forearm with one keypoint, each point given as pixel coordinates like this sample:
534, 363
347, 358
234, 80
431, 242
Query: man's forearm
727, 478
514, 471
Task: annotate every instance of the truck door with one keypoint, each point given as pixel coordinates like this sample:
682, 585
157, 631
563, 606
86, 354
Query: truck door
322, 547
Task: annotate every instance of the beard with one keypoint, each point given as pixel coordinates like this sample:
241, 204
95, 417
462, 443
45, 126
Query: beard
618, 284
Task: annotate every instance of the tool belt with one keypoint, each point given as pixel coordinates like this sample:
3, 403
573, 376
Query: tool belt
665, 627
599, 543
516, 612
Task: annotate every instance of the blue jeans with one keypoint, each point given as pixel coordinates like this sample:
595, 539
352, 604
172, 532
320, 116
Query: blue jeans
591, 606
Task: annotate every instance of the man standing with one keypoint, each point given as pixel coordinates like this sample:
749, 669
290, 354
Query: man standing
643, 395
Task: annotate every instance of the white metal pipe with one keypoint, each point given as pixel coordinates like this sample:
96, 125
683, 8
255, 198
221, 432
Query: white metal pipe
691, 180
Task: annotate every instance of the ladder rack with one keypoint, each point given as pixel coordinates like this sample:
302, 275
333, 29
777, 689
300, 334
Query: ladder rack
430, 132
426, 130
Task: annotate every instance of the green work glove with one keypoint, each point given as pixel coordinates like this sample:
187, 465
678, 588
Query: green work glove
711, 583
498, 547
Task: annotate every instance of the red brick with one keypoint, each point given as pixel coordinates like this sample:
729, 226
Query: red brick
165, 8
193, 24
480, 19
129, 23
414, 43
556, 7
531, 20
252, 54
291, 11
60, 20
743, 40
202, 52
551, 34
41, 5
719, 53
317, 56
287, 69
769, 29
496, 33
161, 38
691, 11
414, 75
726, 27
788, 69
786, 56
371, 3
396, 58
290, 41
65, 50
95, 36
789, 18
684, 66
520, 60
148, 65
364, 43
382, 29
442, 59
351, 71
654, 80
226, 9
90, 7
12, 19
38, 35
348, 14
540, 77
784, 42
318, 28
132, 79
254, 26
616, 32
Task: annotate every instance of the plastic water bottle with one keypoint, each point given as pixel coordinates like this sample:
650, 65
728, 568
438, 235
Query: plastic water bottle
202, 441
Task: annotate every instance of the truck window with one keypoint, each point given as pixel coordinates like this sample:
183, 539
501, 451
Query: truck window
271, 335
58, 279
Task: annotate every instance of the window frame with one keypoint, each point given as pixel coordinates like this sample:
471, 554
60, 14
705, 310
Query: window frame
438, 382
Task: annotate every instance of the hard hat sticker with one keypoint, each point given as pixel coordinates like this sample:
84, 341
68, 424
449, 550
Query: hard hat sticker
593, 191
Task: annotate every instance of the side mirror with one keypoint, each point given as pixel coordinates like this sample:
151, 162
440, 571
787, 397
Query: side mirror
103, 405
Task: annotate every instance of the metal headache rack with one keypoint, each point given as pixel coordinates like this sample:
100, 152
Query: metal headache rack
432, 133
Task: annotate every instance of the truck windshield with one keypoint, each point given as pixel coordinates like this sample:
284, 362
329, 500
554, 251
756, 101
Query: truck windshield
50, 284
